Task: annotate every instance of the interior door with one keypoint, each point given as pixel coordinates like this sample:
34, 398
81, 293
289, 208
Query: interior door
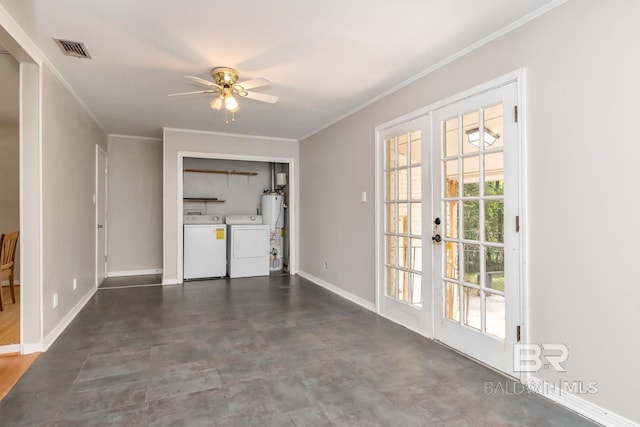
476, 219
402, 160
101, 215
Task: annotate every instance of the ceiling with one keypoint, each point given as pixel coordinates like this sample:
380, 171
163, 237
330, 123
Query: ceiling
325, 58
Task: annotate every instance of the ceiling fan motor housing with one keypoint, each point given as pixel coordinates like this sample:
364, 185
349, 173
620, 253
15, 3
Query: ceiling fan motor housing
224, 76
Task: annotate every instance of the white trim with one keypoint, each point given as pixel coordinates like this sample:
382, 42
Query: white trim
578, 404
235, 135
41, 202
507, 29
66, 320
293, 202
141, 138
29, 348
134, 272
9, 348
27, 45
339, 291
170, 282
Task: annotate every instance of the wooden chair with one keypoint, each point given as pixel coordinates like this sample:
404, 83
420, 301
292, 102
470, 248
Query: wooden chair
8, 243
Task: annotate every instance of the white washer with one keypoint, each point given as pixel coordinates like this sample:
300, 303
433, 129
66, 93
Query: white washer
205, 247
247, 246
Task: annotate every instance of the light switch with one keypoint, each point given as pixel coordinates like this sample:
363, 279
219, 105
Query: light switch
364, 197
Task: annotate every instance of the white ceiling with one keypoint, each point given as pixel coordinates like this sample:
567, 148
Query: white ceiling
325, 58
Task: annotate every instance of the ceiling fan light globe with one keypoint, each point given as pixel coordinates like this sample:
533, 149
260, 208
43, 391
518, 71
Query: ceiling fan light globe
216, 104
231, 104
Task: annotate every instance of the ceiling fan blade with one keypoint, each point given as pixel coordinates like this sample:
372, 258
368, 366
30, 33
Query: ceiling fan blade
202, 81
253, 83
192, 93
261, 97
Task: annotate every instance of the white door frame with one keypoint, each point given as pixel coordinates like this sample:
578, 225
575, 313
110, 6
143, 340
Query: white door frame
518, 77
292, 205
96, 201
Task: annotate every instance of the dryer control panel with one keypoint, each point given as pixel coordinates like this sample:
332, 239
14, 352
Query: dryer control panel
243, 219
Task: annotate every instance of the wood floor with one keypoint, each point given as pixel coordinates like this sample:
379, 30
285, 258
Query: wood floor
10, 318
12, 366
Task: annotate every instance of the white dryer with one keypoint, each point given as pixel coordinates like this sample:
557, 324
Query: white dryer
247, 246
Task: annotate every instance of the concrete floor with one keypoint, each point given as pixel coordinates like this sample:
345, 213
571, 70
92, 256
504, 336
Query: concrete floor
269, 351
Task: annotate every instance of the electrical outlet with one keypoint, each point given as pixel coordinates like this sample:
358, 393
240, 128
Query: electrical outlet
325, 265
55, 300
75, 283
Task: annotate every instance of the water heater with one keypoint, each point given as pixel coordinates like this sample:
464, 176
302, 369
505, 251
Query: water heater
272, 210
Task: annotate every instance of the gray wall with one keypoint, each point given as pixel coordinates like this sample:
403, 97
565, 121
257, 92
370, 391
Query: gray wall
134, 205
69, 138
222, 145
581, 109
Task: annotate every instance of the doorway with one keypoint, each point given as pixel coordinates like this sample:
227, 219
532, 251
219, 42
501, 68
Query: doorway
448, 224
10, 191
101, 215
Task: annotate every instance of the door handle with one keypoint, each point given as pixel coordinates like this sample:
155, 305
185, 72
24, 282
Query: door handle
436, 231
100, 226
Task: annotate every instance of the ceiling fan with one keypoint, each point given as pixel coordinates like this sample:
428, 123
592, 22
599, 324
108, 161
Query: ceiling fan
225, 86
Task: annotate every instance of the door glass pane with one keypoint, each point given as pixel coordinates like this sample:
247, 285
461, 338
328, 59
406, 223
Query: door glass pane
451, 220
402, 150
415, 259
451, 301
471, 258
403, 219
416, 183
471, 217
391, 185
495, 320
494, 221
451, 178
403, 184
452, 263
416, 141
416, 219
451, 137
472, 308
494, 266
494, 174
470, 176
493, 126
416, 289
390, 250
403, 286
471, 133
403, 252
390, 149
390, 287
391, 222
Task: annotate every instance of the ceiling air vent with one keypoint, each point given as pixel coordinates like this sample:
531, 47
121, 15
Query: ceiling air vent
71, 48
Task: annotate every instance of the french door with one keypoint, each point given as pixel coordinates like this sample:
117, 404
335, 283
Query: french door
448, 243
476, 219
402, 264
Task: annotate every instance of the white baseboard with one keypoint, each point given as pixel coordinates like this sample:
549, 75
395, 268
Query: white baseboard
66, 320
339, 291
134, 272
32, 348
10, 348
578, 404
170, 282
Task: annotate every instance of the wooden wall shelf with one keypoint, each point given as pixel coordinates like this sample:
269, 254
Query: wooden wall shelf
222, 172
202, 199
